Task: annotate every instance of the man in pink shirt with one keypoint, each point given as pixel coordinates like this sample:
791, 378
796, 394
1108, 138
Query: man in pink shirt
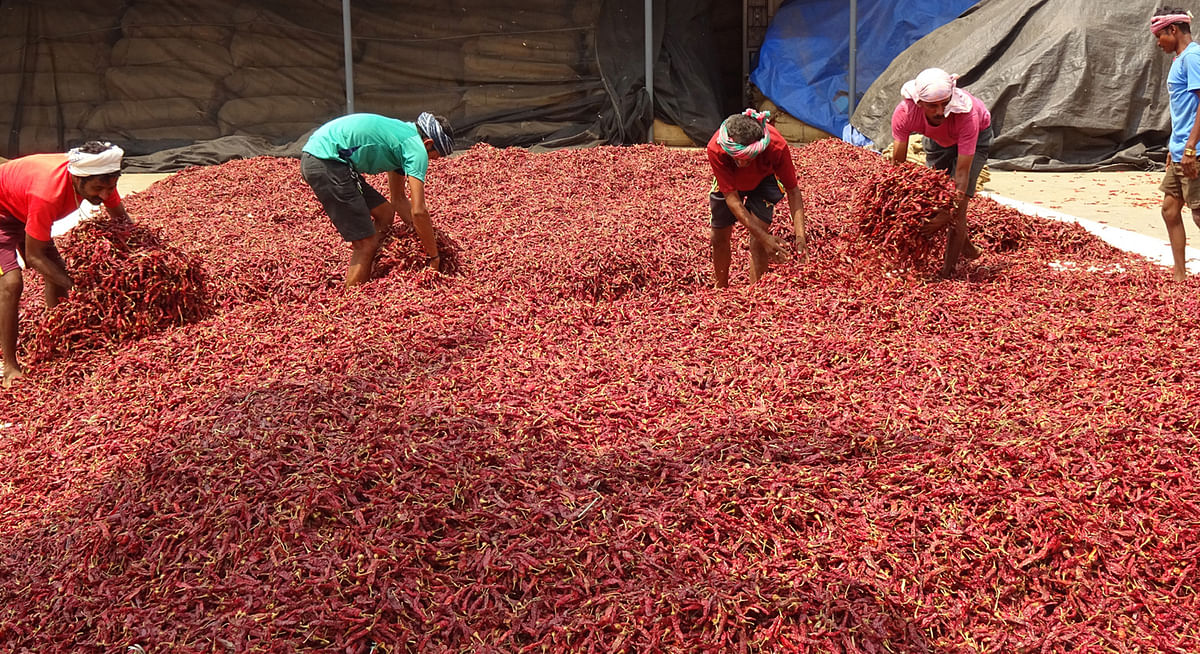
958, 134
35, 191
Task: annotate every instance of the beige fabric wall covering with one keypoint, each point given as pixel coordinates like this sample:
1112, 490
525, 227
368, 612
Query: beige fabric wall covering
206, 56
270, 113
255, 81
495, 20
46, 139
388, 65
61, 22
159, 71
316, 51
153, 82
204, 20
406, 104
144, 114
553, 47
486, 100
505, 132
43, 87
173, 134
67, 114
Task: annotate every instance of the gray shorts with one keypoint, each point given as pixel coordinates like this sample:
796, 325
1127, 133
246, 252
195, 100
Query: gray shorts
347, 198
939, 157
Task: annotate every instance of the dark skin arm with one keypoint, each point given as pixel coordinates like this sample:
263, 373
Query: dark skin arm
796, 204
37, 256
773, 245
957, 237
1188, 162
421, 221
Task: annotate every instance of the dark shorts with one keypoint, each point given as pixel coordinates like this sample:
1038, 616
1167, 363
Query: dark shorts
938, 157
759, 202
347, 198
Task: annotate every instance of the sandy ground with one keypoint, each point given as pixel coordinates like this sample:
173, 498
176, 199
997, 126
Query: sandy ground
1128, 200
134, 182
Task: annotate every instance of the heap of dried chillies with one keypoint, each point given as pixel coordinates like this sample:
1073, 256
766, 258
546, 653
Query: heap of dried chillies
574, 445
128, 284
894, 206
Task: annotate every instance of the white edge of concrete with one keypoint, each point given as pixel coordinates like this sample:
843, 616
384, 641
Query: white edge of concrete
1154, 249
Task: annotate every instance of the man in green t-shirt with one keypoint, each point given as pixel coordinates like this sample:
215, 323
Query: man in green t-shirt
341, 151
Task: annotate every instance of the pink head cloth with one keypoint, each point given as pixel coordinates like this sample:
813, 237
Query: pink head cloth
1160, 23
936, 85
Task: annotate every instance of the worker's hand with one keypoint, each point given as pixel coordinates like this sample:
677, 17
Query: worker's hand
936, 223
801, 246
776, 249
1188, 164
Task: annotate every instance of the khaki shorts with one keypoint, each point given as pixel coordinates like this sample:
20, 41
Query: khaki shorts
1176, 185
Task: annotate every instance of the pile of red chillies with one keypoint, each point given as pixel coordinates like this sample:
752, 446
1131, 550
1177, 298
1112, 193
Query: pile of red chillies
572, 444
893, 207
128, 284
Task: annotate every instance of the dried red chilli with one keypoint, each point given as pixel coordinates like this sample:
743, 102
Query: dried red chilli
127, 284
893, 207
537, 455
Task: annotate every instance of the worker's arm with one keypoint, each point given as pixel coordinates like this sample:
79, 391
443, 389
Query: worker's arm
796, 204
1188, 162
118, 212
37, 257
398, 197
757, 228
899, 150
958, 227
421, 221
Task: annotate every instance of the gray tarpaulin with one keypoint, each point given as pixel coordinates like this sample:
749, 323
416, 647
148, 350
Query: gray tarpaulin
1071, 85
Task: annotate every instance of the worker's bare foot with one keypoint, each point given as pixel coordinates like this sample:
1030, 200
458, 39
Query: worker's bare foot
1180, 274
11, 374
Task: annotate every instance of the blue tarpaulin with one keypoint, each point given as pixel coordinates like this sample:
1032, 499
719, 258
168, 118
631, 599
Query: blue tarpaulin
804, 61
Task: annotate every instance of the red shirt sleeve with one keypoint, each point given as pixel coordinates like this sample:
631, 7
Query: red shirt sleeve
721, 166
900, 122
785, 168
40, 217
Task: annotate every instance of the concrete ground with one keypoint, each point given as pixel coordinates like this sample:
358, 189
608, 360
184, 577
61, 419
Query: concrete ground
1127, 200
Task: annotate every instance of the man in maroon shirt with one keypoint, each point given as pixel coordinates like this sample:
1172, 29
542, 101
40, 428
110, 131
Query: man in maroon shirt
751, 162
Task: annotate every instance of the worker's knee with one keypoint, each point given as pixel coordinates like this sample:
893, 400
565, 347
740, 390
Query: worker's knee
366, 245
1172, 209
11, 285
719, 237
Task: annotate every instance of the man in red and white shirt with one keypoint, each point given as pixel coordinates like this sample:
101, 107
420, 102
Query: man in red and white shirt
35, 191
751, 160
958, 134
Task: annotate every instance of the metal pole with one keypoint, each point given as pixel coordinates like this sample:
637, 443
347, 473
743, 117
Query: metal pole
650, 65
853, 56
349, 56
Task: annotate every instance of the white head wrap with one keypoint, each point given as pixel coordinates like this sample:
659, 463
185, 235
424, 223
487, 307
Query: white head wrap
936, 85
82, 164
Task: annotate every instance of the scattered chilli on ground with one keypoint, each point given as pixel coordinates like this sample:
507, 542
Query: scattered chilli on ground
572, 445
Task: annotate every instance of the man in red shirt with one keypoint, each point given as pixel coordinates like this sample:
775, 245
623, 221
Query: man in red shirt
35, 191
751, 161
